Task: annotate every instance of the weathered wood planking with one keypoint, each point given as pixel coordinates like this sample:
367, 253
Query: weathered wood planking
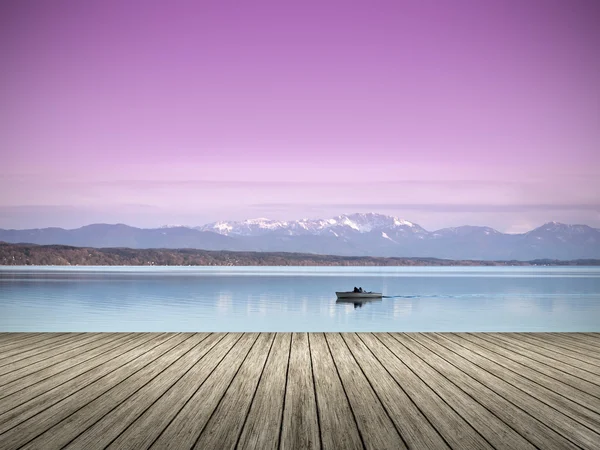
531, 429
300, 427
566, 425
460, 419
374, 423
299, 390
338, 425
148, 426
185, 429
262, 429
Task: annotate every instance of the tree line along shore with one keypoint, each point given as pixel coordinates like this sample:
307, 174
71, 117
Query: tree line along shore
61, 255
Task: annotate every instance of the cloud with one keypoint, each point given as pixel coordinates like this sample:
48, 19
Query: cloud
246, 183
438, 207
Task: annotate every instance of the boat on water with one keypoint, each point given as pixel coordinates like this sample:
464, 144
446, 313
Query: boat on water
358, 295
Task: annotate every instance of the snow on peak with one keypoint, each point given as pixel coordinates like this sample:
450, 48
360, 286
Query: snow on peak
222, 227
357, 222
400, 222
257, 221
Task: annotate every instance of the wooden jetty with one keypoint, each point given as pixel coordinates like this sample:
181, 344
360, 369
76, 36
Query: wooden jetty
300, 390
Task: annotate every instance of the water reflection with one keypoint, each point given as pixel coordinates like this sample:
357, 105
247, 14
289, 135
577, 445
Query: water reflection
358, 302
272, 299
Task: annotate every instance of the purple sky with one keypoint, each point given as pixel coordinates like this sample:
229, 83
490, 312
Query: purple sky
443, 113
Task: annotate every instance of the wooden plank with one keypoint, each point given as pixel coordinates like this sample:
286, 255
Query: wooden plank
22, 377
523, 423
338, 427
150, 424
12, 338
41, 358
575, 367
44, 355
593, 335
262, 428
568, 427
564, 340
376, 428
580, 385
184, 429
517, 378
458, 417
126, 411
26, 341
141, 390
38, 343
24, 404
43, 345
156, 360
225, 425
300, 420
29, 381
580, 338
582, 348
81, 419
547, 357
403, 409
558, 348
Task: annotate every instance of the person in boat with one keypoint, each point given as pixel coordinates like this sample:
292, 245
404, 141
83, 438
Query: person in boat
360, 289
355, 289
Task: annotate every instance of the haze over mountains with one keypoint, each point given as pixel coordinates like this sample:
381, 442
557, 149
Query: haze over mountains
347, 235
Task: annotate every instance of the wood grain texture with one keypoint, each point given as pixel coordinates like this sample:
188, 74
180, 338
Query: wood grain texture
565, 425
535, 353
432, 397
263, 423
26, 341
531, 383
107, 429
583, 349
32, 400
579, 338
60, 353
17, 352
580, 391
416, 430
184, 429
337, 425
80, 420
29, 429
225, 425
299, 390
375, 426
571, 357
56, 363
300, 417
14, 338
531, 429
534, 361
146, 429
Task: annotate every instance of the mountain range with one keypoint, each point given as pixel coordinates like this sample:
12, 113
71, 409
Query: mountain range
356, 234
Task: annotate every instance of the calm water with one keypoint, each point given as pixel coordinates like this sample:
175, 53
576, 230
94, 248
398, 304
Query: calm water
299, 299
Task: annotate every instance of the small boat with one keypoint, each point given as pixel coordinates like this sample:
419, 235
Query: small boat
357, 295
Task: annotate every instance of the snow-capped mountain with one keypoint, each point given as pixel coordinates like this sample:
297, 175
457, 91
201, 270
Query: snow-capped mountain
346, 235
336, 226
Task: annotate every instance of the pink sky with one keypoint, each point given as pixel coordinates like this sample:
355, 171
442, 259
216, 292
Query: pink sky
442, 113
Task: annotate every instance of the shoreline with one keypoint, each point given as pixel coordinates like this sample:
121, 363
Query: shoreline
62, 255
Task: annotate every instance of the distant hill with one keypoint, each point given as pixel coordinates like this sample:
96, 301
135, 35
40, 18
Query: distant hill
369, 234
61, 255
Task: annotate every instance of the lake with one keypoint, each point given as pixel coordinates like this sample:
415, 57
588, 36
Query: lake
298, 299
